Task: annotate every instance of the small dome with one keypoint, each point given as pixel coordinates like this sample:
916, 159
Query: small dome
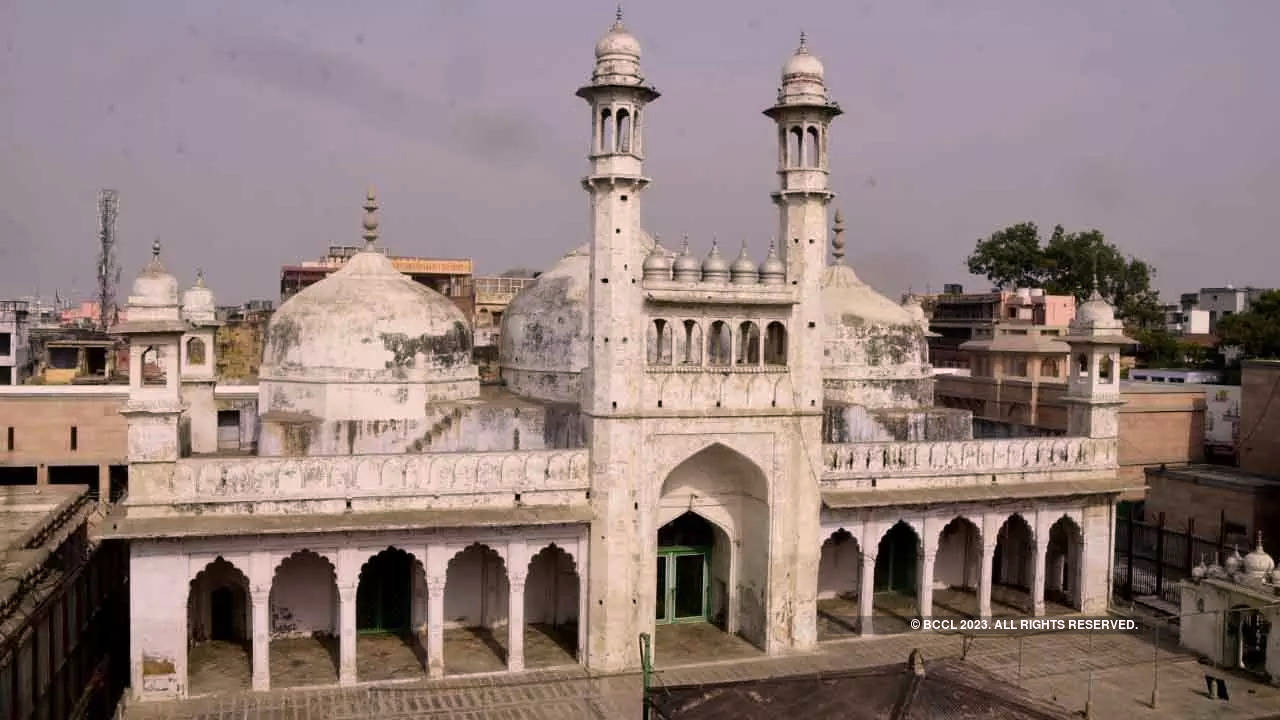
802, 63
657, 264
772, 270
154, 286
1258, 563
686, 266
1096, 311
1199, 571
197, 302
1234, 561
618, 42
715, 268
743, 271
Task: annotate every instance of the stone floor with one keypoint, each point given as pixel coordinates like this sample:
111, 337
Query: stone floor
1116, 670
838, 617
218, 666
688, 643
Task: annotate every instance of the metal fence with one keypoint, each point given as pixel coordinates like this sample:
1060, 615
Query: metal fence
1151, 558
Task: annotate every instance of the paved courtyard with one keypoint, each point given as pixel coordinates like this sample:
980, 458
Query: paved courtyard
1057, 667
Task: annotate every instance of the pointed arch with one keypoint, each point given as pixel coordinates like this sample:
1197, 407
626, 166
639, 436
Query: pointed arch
795, 147
748, 344
811, 145
552, 598
624, 130
775, 344
607, 138
1064, 558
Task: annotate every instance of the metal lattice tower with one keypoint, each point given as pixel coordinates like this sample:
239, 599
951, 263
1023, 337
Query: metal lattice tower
108, 268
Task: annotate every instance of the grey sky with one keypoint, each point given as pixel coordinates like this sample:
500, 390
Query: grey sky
244, 134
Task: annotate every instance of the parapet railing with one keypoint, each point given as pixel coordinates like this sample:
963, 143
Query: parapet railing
881, 459
202, 479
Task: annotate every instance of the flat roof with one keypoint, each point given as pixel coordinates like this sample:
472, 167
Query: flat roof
119, 526
969, 493
1217, 475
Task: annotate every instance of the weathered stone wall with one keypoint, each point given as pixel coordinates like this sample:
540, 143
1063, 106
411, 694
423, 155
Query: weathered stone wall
239, 349
371, 482
42, 418
854, 423
928, 464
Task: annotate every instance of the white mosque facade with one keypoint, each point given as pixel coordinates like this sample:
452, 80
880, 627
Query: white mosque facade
674, 440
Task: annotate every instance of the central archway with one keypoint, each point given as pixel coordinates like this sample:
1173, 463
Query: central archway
713, 551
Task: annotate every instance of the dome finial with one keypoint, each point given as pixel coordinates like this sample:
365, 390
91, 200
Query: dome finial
370, 219
804, 47
837, 239
155, 249
199, 277
617, 21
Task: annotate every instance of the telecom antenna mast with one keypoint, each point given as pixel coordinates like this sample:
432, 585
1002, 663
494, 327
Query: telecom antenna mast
108, 268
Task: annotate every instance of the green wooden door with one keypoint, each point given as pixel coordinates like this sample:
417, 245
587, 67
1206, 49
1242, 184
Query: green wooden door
684, 580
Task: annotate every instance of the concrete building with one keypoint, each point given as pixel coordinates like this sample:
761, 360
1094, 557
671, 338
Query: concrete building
1229, 612
1226, 301
1185, 321
71, 356
14, 326
748, 449
961, 317
493, 295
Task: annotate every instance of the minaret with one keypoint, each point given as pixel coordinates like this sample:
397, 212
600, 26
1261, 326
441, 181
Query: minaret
619, 600
1093, 373
803, 114
617, 94
199, 365
154, 331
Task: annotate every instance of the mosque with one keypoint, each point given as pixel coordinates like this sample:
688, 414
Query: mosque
745, 450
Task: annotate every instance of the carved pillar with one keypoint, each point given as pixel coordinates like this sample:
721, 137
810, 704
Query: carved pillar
261, 633
347, 635
515, 623
984, 580
1037, 577
867, 594
435, 625
927, 560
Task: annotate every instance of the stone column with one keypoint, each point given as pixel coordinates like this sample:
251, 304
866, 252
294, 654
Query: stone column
104, 484
515, 623
925, 593
42, 474
1037, 579
435, 625
347, 635
261, 632
984, 581
867, 594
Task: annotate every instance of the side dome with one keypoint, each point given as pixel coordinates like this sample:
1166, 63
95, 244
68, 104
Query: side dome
546, 330
874, 350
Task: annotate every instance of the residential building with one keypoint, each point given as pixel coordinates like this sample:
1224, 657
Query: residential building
959, 318
1221, 302
14, 326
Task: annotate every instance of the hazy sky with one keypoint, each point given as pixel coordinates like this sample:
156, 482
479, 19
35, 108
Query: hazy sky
244, 134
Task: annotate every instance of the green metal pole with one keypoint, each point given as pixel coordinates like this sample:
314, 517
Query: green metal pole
646, 670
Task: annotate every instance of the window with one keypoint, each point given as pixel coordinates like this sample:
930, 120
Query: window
6, 343
1082, 365
748, 344
152, 370
195, 351
74, 439
6, 375
1105, 369
659, 337
719, 344
1049, 368
10, 438
775, 344
1017, 366
692, 343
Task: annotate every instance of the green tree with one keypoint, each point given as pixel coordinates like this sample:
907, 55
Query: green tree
1068, 265
1010, 258
1257, 331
